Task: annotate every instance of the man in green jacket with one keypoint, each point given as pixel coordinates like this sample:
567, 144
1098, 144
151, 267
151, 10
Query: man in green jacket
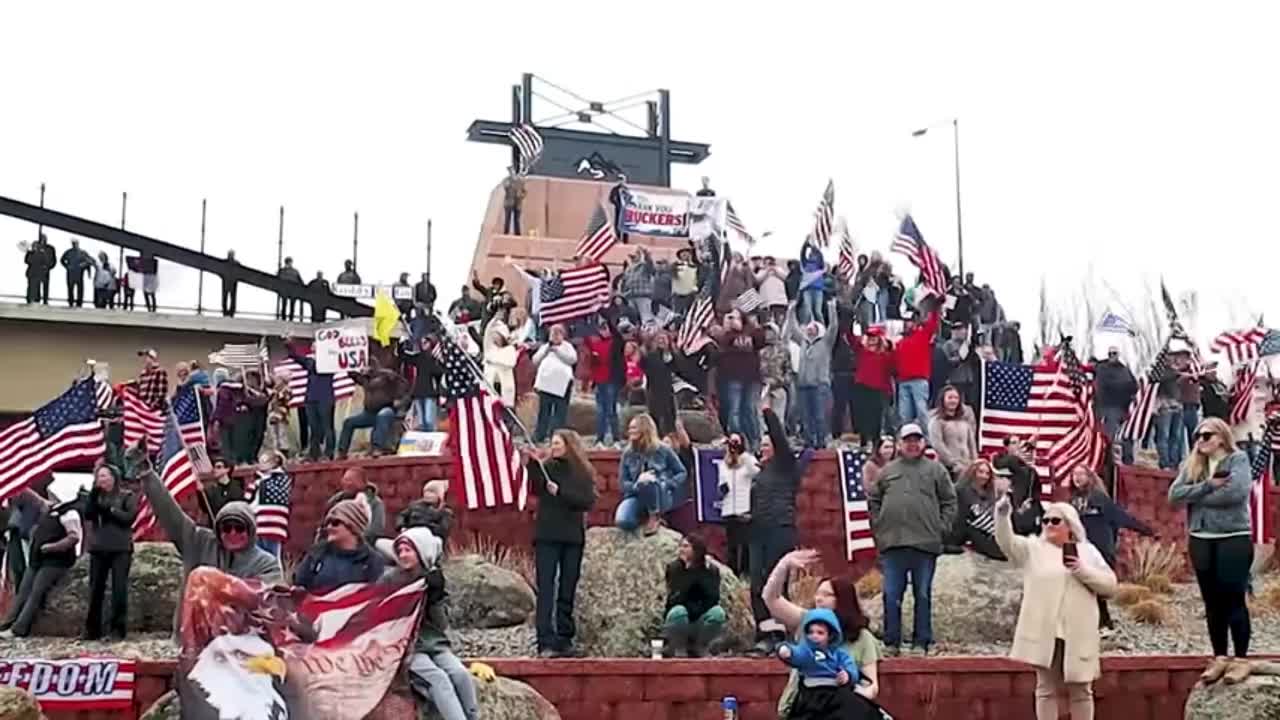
912, 505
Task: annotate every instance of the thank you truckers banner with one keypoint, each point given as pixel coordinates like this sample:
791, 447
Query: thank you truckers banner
661, 214
89, 683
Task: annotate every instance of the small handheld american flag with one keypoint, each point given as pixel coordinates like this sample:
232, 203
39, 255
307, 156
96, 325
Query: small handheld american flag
271, 502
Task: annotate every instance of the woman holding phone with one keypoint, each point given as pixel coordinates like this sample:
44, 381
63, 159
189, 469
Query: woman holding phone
1214, 484
1063, 574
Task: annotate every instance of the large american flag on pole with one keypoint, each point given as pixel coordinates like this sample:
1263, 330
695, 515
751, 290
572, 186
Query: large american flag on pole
1029, 402
141, 421
858, 538
696, 321
909, 242
486, 462
848, 264
1261, 514
528, 142
1085, 443
177, 474
598, 238
1240, 346
735, 224
576, 292
824, 217
64, 431
1242, 392
271, 500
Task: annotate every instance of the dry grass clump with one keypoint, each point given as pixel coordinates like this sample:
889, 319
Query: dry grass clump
516, 560
1129, 594
1267, 598
1152, 611
1154, 564
870, 584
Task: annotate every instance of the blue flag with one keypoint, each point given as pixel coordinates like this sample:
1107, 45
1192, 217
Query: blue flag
707, 472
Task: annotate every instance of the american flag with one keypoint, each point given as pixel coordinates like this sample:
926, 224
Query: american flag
848, 265
177, 473
1261, 516
343, 386
64, 431
696, 322
598, 238
104, 394
186, 408
141, 421
528, 142
1141, 411
1085, 443
824, 217
240, 355
1240, 346
1242, 392
748, 302
1028, 402
487, 464
858, 539
582, 291
909, 242
735, 224
271, 501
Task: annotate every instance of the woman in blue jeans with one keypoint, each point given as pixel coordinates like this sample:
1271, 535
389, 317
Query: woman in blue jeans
652, 478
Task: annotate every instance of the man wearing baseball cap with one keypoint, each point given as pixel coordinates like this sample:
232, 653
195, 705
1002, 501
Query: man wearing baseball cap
912, 504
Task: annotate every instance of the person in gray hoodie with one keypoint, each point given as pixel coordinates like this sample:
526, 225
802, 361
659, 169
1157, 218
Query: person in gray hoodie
913, 505
813, 378
434, 671
230, 546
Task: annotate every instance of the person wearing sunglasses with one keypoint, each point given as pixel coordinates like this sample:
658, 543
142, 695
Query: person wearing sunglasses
1063, 575
343, 557
1214, 483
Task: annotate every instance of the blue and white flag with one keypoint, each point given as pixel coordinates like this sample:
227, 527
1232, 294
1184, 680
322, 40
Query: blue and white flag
1113, 323
707, 463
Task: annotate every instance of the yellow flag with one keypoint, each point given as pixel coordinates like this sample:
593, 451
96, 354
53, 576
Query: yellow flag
385, 317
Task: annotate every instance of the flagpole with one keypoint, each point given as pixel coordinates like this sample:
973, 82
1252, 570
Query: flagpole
204, 206
479, 375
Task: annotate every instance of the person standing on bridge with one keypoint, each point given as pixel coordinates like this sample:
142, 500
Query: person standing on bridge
230, 279
77, 262
40, 259
104, 283
318, 285
348, 276
150, 280
287, 305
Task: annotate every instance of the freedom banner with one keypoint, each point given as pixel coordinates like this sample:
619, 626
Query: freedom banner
341, 350
661, 214
707, 473
252, 651
90, 683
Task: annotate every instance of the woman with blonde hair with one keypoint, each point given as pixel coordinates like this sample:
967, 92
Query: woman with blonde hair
651, 475
1214, 483
1057, 632
564, 483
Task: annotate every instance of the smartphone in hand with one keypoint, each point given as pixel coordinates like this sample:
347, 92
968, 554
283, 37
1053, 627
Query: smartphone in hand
1069, 551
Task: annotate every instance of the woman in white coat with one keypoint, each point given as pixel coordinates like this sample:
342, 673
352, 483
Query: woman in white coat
1058, 622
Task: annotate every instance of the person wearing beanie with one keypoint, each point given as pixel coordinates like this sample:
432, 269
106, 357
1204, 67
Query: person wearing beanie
430, 512
354, 486
435, 672
111, 510
344, 556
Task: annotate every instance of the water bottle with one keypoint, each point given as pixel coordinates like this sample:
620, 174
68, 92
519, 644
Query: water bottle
730, 707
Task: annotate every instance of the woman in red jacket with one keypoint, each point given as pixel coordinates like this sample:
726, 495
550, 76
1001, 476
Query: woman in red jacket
872, 382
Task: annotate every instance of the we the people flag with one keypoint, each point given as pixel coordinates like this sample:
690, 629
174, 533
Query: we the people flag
72, 686
256, 652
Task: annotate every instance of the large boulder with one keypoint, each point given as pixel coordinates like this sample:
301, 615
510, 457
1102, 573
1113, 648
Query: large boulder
975, 600
154, 579
484, 595
1255, 698
622, 596
16, 704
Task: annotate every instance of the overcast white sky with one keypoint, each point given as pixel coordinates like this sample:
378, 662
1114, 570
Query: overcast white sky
1139, 138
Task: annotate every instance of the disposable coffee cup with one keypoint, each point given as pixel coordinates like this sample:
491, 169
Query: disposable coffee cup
655, 648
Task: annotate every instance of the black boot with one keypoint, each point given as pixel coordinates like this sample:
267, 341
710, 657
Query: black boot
706, 634
677, 637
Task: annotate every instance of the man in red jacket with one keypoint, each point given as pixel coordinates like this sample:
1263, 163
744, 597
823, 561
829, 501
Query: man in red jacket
913, 360
608, 371
872, 382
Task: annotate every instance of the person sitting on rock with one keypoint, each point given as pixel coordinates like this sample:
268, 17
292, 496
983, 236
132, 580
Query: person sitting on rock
344, 557
111, 510
827, 671
430, 512
694, 616
55, 543
651, 476
434, 671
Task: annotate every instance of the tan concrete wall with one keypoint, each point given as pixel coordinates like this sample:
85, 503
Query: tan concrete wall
39, 359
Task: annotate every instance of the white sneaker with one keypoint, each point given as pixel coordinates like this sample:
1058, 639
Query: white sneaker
7, 635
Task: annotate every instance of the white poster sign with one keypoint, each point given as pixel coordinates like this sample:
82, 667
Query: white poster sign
656, 213
341, 350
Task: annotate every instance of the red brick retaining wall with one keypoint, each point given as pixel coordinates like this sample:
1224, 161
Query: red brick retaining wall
969, 688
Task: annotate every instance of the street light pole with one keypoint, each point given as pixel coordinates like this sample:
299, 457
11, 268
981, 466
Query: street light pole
955, 128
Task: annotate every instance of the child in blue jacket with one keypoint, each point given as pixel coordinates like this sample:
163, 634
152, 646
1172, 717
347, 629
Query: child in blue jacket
827, 671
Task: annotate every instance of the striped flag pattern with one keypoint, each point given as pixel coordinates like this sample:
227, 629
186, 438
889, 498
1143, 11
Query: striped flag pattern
1261, 516
141, 421
271, 500
909, 242
848, 264
177, 474
1242, 392
240, 355
343, 386
93, 685
487, 465
695, 324
735, 224
859, 540
598, 238
64, 431
1085, 443
186, 408
1240, 346
1141, 411
1029, 402
528, 142
824, 217
104, 395
582, 291
748, 302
